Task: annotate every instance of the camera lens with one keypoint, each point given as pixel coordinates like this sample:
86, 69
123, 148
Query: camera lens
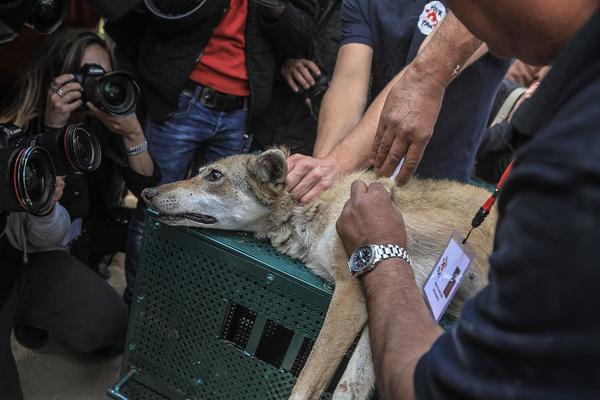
34, 179
82, 148
47, 15
116, 93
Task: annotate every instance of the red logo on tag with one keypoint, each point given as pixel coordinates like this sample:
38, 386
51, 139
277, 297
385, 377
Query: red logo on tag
433, 13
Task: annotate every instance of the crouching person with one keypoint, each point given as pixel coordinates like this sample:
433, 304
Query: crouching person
45, 289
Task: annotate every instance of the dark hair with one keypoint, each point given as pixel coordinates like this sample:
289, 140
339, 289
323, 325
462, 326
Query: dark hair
59, 54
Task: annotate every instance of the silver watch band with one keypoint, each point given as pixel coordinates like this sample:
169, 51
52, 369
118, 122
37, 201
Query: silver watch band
391, 251
137, 149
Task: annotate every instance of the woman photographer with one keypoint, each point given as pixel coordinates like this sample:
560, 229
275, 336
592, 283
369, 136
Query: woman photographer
51, 291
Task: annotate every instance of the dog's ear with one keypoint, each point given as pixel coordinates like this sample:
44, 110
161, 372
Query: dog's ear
270, 167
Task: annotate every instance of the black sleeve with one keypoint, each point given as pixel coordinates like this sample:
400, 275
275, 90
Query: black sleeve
290, 33
127, 33
533, 332
136, 182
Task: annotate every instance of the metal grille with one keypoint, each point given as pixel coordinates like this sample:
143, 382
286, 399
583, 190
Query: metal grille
214, 314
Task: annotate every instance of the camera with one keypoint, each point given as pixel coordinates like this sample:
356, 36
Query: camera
318, 89
74, 149
115, 93
27, 175
315, 93
29, 164
45, 16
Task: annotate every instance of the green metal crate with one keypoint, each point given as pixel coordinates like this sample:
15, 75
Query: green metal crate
218, 315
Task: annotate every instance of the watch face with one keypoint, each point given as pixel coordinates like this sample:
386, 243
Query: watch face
362, 258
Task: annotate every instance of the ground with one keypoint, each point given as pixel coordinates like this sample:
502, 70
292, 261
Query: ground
58, 373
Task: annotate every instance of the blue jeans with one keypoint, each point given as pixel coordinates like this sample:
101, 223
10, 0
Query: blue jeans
192, 133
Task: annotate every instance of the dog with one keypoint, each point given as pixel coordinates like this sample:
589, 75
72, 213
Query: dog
247, 192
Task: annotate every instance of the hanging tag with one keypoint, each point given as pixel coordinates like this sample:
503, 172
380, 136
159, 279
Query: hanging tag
443, 281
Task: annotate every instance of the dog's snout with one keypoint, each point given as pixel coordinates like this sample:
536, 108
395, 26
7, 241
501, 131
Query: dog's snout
149, 193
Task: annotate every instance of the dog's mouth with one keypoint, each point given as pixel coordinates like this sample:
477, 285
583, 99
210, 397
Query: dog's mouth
199, 218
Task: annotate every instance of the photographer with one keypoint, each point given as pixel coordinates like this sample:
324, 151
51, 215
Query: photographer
42, 286
49, 96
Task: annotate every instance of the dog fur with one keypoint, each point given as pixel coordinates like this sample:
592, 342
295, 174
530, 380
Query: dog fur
247, 192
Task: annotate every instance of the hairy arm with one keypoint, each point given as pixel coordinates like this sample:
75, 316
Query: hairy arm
400, 326
412, 106
403, 114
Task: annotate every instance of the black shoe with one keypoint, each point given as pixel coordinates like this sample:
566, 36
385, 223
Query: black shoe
30, 337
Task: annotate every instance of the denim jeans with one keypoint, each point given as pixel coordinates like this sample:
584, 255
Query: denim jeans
192, 133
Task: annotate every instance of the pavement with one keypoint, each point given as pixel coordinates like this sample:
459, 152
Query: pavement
57, 372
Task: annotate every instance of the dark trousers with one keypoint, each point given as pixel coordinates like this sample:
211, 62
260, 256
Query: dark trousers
57, 293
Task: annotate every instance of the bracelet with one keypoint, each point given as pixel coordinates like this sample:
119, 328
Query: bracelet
137, 149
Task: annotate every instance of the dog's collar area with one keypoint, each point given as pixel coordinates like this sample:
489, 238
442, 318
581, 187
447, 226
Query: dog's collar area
200, 218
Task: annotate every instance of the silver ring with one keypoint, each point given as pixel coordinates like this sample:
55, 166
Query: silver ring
57, 90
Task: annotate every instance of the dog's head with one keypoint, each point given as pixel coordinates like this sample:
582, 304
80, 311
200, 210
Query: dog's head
235, 193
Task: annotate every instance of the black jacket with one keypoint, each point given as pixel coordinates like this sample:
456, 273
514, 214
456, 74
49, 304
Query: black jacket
287, 121
164, 56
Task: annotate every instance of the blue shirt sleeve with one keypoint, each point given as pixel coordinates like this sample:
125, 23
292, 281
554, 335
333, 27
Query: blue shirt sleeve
533, 332
355, 24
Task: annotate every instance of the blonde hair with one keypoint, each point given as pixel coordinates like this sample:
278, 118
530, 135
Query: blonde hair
59, 54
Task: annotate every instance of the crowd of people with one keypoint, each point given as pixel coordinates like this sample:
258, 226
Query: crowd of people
453, 89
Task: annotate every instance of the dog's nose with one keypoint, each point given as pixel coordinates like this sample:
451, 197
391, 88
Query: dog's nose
149, 193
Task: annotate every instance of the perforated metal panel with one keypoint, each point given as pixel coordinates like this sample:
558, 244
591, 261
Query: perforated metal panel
219, 315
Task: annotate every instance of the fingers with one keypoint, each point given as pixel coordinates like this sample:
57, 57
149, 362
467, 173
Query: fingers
393, 157
300, 77
358, 187
294, 176
71, 86
292, 84
385, 145
312, 67
310, 181
62, 79
411, 162
314, 193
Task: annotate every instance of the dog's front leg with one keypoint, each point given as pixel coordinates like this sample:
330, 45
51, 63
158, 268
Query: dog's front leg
346, 316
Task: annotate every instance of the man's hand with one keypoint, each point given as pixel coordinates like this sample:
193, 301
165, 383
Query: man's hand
406, 124
308, 176
369, 217
299, 72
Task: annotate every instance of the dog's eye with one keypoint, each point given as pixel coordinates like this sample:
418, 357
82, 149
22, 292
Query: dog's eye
214, 175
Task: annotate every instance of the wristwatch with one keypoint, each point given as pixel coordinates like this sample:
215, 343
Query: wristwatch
365, 258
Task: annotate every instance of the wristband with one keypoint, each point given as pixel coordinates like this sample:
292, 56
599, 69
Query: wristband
137, 149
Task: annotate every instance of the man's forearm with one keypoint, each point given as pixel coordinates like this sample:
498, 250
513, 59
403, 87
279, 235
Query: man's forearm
446, 52
359, 139
340, 111
443, 55
400, 326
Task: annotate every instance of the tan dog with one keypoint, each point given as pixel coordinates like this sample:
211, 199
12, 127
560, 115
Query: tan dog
247, 192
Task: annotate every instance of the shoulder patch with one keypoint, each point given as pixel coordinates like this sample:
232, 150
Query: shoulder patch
433, 13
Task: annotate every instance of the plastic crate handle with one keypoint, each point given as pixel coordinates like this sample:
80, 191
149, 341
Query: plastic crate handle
114, 392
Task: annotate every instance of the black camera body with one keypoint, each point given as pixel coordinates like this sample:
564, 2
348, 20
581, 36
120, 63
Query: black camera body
115, 93
318, 89
29, 164
27, 175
